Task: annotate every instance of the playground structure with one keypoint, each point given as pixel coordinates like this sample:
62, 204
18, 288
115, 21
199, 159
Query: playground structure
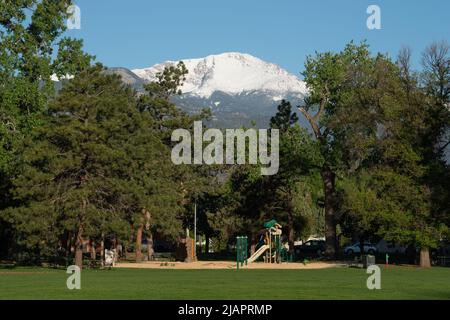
269, 246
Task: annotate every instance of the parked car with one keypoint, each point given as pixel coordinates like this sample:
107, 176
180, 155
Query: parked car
441, 255
355, 249
390, 247
310, 248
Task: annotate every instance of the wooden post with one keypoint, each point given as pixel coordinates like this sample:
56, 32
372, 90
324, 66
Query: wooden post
270, 246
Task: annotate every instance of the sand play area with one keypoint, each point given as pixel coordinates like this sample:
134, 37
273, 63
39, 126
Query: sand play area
227, 265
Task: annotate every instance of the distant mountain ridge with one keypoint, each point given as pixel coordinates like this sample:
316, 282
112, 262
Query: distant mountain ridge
231, 73
128, 77
240, 89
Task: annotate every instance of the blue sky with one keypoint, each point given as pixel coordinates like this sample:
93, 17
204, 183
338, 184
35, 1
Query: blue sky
140, 33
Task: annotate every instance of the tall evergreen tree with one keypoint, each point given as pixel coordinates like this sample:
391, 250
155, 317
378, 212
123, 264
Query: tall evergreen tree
90, 168
29, 34
191, 181
298, 156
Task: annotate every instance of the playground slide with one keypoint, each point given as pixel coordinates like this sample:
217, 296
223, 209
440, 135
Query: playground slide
258, 253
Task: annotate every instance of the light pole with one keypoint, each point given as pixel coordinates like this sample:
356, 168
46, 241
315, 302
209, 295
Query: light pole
195, 229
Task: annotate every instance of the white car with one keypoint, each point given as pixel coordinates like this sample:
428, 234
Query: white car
354, 249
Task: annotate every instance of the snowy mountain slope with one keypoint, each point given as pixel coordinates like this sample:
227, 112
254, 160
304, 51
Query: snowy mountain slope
232, 73
240, 89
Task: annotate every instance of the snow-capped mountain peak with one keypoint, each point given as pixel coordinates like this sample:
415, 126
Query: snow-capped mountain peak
232, 73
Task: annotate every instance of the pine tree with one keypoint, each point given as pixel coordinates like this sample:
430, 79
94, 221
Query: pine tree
28, 36
90, 168
190, 182
284, 117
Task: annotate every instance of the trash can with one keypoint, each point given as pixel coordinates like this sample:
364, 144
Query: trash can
368, 260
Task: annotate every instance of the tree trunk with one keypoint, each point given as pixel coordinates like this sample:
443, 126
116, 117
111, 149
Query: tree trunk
425, 258
93, 253
150, 250
291, 231
253, 243
328, 178
69, 247
138, 243
79, 249
79, 255
124, 251
102, 250
361, 247
206, 244
290, 226
118, 249
291, 240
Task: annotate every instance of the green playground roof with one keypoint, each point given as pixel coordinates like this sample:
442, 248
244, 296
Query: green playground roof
270, 224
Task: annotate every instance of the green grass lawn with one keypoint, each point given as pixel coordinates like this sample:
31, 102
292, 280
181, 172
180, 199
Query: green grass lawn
338, 283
